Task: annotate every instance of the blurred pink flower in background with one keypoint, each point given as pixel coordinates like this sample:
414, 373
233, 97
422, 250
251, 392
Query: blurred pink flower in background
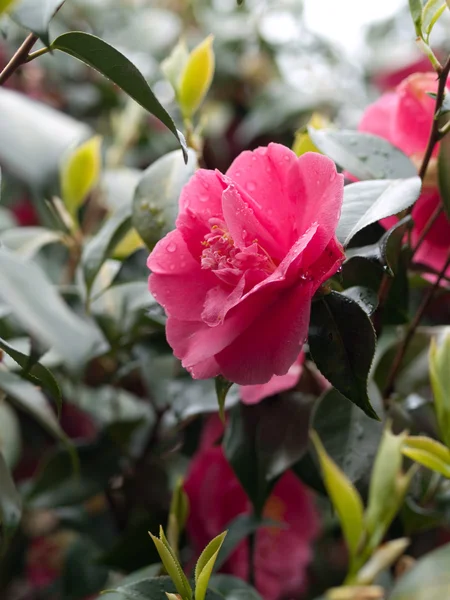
250, 249
216, 498
404, 117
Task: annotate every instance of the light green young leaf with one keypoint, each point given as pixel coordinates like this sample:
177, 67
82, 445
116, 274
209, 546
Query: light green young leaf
172, 566
6, 5
416, 8
432, 10
196, 78
205, 566
174, 65
80, 171
178, 514
439, 361
383, 558
429, 453
388, 486
344, 496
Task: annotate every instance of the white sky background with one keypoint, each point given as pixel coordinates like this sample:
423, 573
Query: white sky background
343, 21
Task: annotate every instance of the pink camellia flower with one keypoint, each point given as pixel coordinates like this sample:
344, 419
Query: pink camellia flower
252, 394
250, 249
404, 117
282, 554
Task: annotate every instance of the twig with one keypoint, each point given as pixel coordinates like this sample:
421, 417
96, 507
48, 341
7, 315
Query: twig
19, 58
425, 231
411, 330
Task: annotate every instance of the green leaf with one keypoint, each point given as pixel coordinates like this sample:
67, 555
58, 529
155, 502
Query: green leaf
196, 77
205, 566
238, 530
364, 155
28, 241
432, 10
5, 5
388, 486
10, 505
178, 514
36, 15
349, 436
80, 171
102, 245
82, 575
416, 8
344, 497
34, 158
342, 344
38, 374
10, 434
155, 205
366, 202
444, 173
230, 587
383, 558
439, 361
365, 297
174, 65
172, 566
429, 453
111, 63
429, 579
391, 243
157, 588
44, 314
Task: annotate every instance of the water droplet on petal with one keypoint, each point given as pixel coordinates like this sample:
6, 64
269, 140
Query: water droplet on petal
251, 186
262, 151
172, 267
237, 174
203, 197
171, 247
287, 158
332, 176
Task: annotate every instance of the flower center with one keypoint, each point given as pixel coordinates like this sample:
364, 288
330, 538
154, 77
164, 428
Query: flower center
220, 253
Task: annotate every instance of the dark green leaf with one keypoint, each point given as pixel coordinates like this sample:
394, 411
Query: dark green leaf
150, 589
30, 399
38, 374
364, 155
350, 437
364, 296
363, 271
40, 309
101, 246
155, 206
429, 579
111, 63
82, 575
368, 201
231, 587
391, 243
10, 505
444, 173
342, 344
238, 530
36, 15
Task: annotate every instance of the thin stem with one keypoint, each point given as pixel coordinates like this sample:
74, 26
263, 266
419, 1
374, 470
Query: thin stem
412, 329
431, 221
251, 558
37, 54
19, 58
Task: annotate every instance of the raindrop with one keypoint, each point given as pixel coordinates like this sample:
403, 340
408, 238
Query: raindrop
203, 197
251, 186
172, 267
237, 174
171, 248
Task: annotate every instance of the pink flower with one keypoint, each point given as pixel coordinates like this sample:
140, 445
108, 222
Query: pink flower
250, 249
252, 394
281, 554
404, 117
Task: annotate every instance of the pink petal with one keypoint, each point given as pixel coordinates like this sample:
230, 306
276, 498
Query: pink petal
272, 342
414, 113
177, 281
378, 118
318, 190
252, 394
263, 174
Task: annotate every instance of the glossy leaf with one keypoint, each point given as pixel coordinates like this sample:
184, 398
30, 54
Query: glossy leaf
344, 497
10, 505
111, 63
36, 16
342, 344
363, 155
391, 243
439, 361
155, 205
365, 297
429, 579
37, 374
429, 453
205, 566
366, 202
102, 245
31, 400
196, 77
80, 171
349, 436
416, 8
45, 315
444, 173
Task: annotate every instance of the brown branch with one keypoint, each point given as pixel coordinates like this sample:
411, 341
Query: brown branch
19, 58
426, 230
